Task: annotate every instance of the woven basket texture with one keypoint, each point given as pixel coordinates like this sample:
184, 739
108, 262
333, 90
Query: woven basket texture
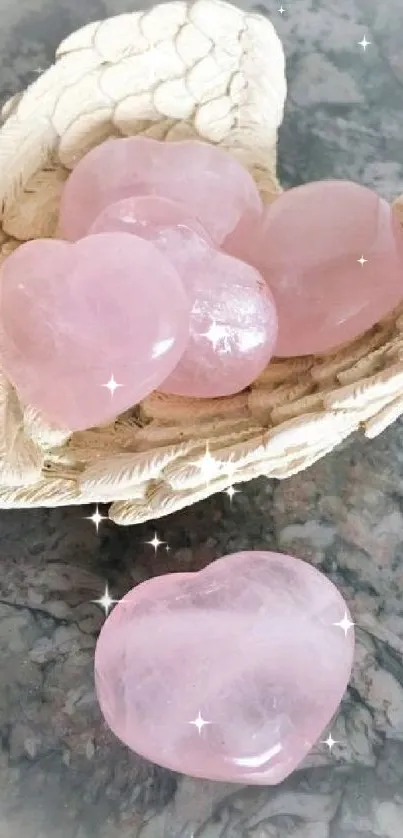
177, 71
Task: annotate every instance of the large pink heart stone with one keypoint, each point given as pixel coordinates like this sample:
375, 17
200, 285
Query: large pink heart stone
332, 254
76, 317
214, 186
231, 673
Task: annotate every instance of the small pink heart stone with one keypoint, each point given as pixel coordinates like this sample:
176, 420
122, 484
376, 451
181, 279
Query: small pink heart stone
332, 254
74, 317
215, 188
233, 320
231, 673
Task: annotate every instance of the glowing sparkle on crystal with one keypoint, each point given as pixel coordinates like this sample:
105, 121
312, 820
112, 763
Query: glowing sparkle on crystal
155, 542
217, 333
281, 10
105, 601
364, 43
112, 385
362, 261
199, 722
330, 742
96, 518
345, 624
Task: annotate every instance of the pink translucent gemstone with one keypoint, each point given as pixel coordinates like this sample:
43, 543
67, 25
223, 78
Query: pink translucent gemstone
241, 243
247, 646
233, 321
214, 186
75, 316
310, 244
147, 216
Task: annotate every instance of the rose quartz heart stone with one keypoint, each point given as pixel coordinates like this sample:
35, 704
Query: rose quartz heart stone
73, 316
215, 188
231, 673
147, 216
233, 319
308, 249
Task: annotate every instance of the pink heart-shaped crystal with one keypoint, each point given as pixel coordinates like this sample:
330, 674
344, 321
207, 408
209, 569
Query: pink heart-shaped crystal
332, 254
231, 673
74, 317
212, 184
147, 216
233, 321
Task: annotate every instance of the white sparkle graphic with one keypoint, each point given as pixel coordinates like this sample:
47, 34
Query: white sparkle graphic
362, 261
208, 466
281, 10
105, 601
112, 385
364, 43
231, 491
96, 518
199, 723
345, 624
330, 742
155, 542
217, 333
230, 468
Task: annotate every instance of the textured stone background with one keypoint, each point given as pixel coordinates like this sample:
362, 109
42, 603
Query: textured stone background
62, 774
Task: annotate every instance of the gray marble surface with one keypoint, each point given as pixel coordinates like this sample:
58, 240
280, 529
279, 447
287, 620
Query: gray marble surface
62, 774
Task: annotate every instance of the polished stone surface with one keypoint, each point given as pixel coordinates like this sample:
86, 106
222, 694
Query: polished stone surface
62, 774
75, 317
148, 216
331, 252
229, 673
233, 323
216, 188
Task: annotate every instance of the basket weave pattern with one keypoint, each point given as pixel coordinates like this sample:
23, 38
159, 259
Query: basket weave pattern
180, 70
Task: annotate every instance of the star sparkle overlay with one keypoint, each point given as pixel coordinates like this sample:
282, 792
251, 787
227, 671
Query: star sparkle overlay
199, 722
112, 385
231, 491
105, 601
96, 518
208, 465
155, 542
211, 468
218, 333
345, 624
330, 742
362, 261
364, 43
